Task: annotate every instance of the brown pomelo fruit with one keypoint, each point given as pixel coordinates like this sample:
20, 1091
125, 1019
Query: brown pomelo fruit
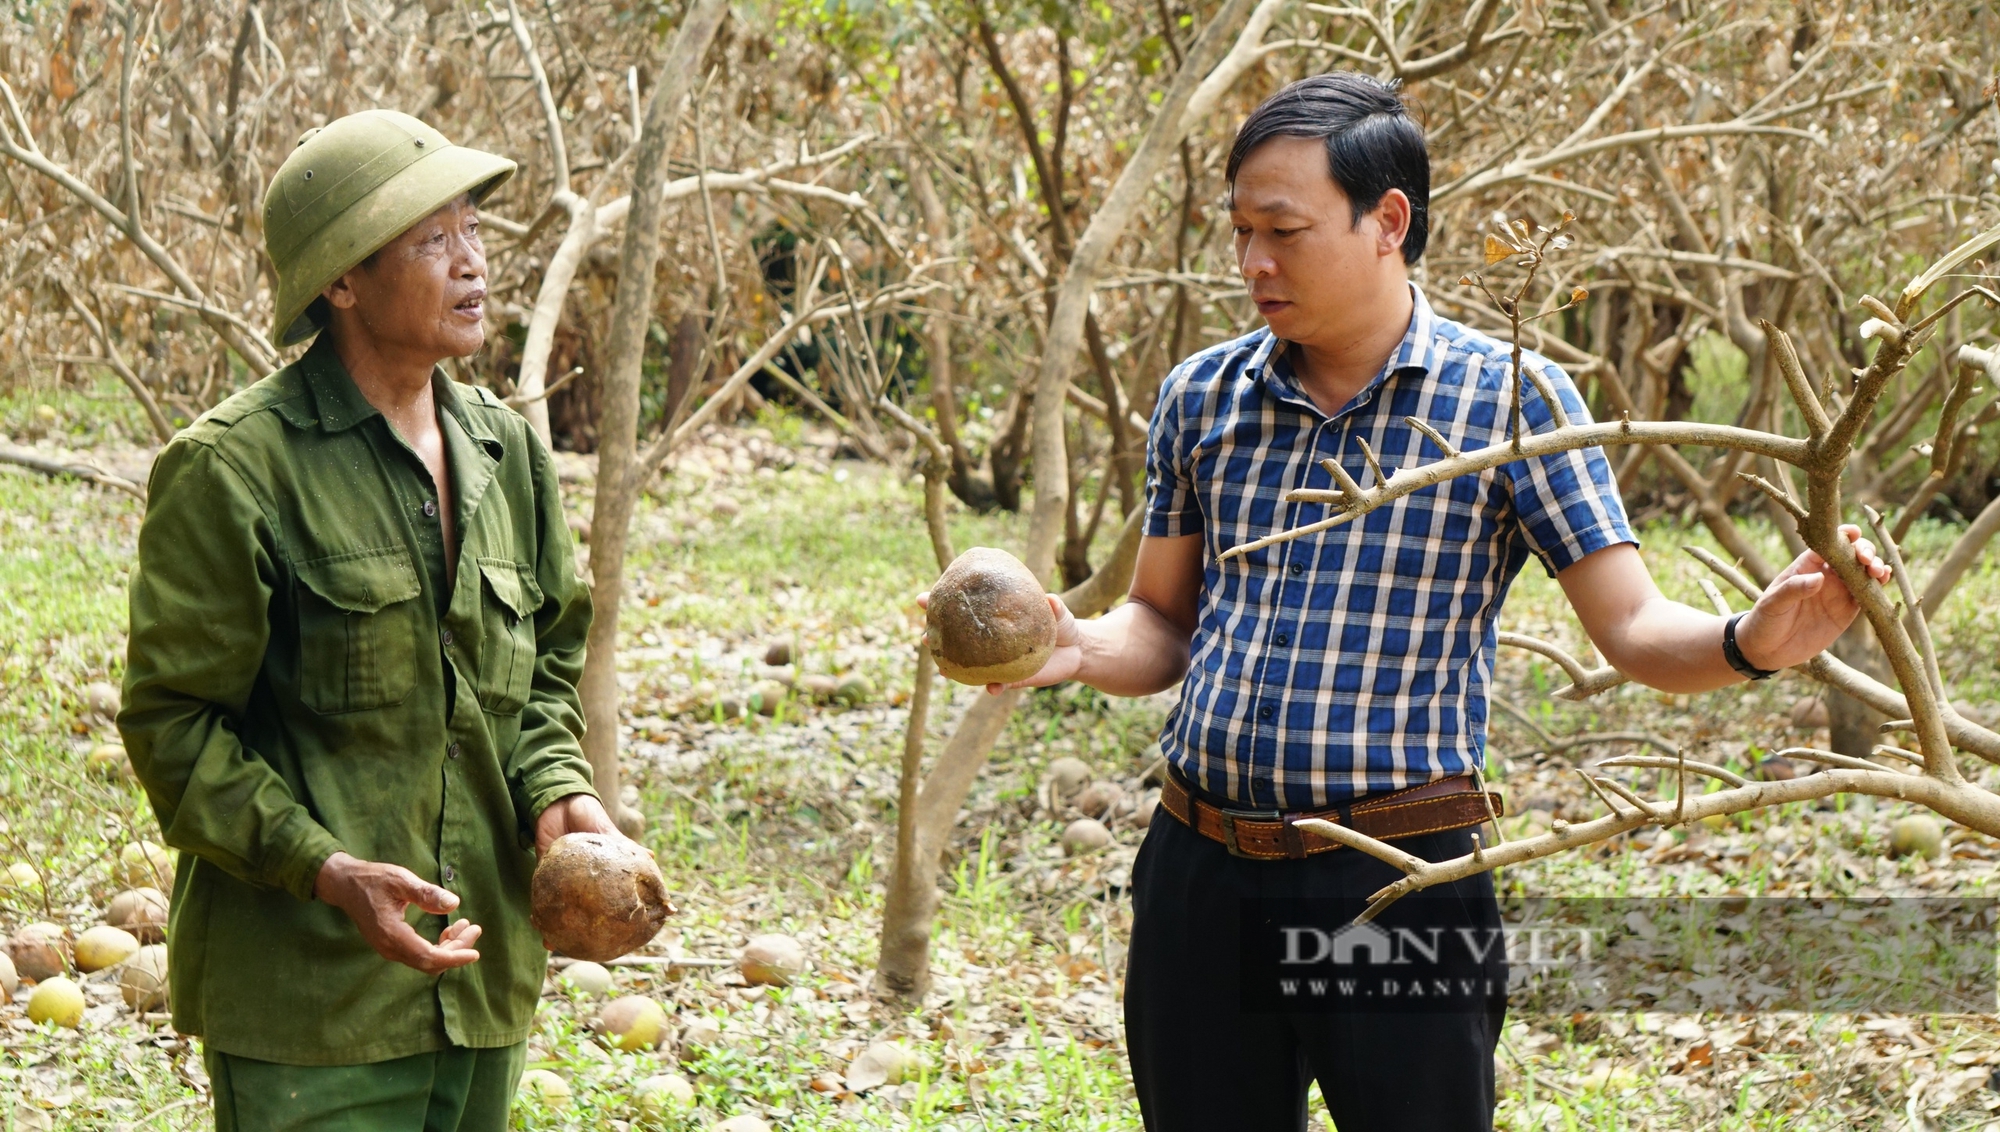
1066, 776
1085, 835
1098, 800
597, 896
989, 620
141, 911
39, 951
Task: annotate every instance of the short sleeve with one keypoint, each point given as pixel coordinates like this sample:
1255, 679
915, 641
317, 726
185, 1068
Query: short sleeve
1171, 507
1568, 503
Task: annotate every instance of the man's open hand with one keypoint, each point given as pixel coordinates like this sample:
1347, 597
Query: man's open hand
1805, 608
572, 813
1061, 665
375, 896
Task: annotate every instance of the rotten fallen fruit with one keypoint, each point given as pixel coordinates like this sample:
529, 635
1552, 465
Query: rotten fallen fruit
988, 620
597, 896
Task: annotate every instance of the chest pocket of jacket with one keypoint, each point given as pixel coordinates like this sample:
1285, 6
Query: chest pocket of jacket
507, 656
359, 621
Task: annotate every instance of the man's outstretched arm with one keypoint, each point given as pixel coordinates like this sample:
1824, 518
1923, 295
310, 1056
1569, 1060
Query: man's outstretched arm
1676, 648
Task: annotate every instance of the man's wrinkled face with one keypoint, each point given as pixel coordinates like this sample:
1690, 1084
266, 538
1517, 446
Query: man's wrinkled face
425, 291
1308, 264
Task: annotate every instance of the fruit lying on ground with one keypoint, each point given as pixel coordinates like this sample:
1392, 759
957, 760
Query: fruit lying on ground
597, 896
10, 979
143, 978
884, 1063
1085, 835
545, 1087
855, 690
1065, 777
1099, 798
662, 1093
778, 653
144, 863
141, 911
39, 951
633, 1022
1142, 814
593, 979
700, 1035
765, 696
19, 877
102, 698
744, 1123
56, 1000
1917, 835
104, 946
107, 760
772, 960
989, 620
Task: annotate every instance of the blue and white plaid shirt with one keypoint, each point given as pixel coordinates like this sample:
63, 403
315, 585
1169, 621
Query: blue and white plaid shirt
1356, 660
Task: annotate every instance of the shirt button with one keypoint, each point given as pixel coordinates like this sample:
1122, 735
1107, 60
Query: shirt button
446, 636
1298, 568
430, 508
1265, 712
451, 752
1284, 639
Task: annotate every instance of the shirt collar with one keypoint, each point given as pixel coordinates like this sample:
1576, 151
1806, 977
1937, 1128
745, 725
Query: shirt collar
1418, 351
340, 404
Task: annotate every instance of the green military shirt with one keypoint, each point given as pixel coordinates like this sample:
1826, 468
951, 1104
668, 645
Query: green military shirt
303, 678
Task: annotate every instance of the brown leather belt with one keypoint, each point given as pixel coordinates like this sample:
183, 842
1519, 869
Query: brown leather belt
1269, 835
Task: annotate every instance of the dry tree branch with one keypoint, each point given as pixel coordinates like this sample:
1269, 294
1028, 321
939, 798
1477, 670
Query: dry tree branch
1584, 682
162, 428
35, 461
255, 350
1353, 505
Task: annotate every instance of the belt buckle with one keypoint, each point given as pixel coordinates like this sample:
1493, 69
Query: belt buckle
1229, 827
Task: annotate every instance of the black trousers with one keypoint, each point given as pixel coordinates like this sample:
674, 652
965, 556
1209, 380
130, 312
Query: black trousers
1214, 1047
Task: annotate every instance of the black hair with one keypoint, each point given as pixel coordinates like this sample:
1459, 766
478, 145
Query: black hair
1372, 143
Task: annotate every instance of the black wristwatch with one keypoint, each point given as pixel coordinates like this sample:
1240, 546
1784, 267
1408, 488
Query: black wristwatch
1734, 654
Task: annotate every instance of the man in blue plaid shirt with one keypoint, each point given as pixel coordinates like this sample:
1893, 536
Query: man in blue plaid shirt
1345, 674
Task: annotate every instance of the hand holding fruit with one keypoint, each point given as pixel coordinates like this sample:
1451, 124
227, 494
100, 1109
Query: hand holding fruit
988, 621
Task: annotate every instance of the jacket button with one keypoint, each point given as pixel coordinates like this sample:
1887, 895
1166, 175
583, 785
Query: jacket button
451, 752
449, 874
446, 636
430, 508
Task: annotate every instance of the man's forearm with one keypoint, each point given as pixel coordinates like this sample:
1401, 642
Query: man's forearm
1132, 651
1675, 648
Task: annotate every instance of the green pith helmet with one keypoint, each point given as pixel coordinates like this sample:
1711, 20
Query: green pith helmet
350, 188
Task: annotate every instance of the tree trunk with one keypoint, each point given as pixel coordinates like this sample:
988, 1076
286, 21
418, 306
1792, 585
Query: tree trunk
1853, 728
1211, 66
618, 429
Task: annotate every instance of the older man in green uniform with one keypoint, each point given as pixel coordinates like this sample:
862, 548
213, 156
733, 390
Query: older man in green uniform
350, 692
